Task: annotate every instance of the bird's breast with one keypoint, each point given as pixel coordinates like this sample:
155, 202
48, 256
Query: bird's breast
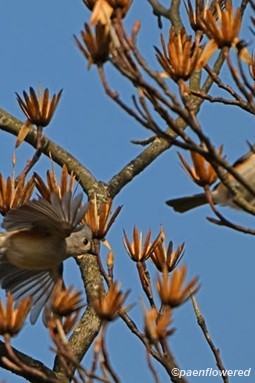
35, 251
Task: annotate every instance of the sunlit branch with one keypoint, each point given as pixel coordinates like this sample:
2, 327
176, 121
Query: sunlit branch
12, 125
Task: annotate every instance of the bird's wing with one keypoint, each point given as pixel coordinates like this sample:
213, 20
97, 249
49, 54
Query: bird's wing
23, 283
59, 216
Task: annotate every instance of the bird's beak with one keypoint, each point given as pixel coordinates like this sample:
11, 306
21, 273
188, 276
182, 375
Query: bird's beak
93, 252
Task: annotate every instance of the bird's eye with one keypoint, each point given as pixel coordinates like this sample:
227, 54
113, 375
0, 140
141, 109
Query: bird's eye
85, 241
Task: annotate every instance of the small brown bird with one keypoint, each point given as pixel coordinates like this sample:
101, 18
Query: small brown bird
245, 166
39, 236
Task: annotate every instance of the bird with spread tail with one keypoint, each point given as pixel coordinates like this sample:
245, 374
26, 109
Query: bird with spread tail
38, 237
244, 166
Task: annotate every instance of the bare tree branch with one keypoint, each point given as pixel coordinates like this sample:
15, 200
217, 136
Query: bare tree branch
50, 376
216, 352
89, 325
10, 124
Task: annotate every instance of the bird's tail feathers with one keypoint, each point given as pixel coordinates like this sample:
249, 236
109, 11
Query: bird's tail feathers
181, 205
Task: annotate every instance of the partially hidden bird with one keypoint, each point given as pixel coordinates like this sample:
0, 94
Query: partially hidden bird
38, 237
244, 166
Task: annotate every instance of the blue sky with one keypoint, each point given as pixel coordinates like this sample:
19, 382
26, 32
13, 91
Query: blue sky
37, 48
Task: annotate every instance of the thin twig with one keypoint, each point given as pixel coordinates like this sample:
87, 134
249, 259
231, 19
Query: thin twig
107, 363
153, 370
222, 220
216, 352
25, 369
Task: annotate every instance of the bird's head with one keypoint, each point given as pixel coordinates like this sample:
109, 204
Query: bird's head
80, 242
